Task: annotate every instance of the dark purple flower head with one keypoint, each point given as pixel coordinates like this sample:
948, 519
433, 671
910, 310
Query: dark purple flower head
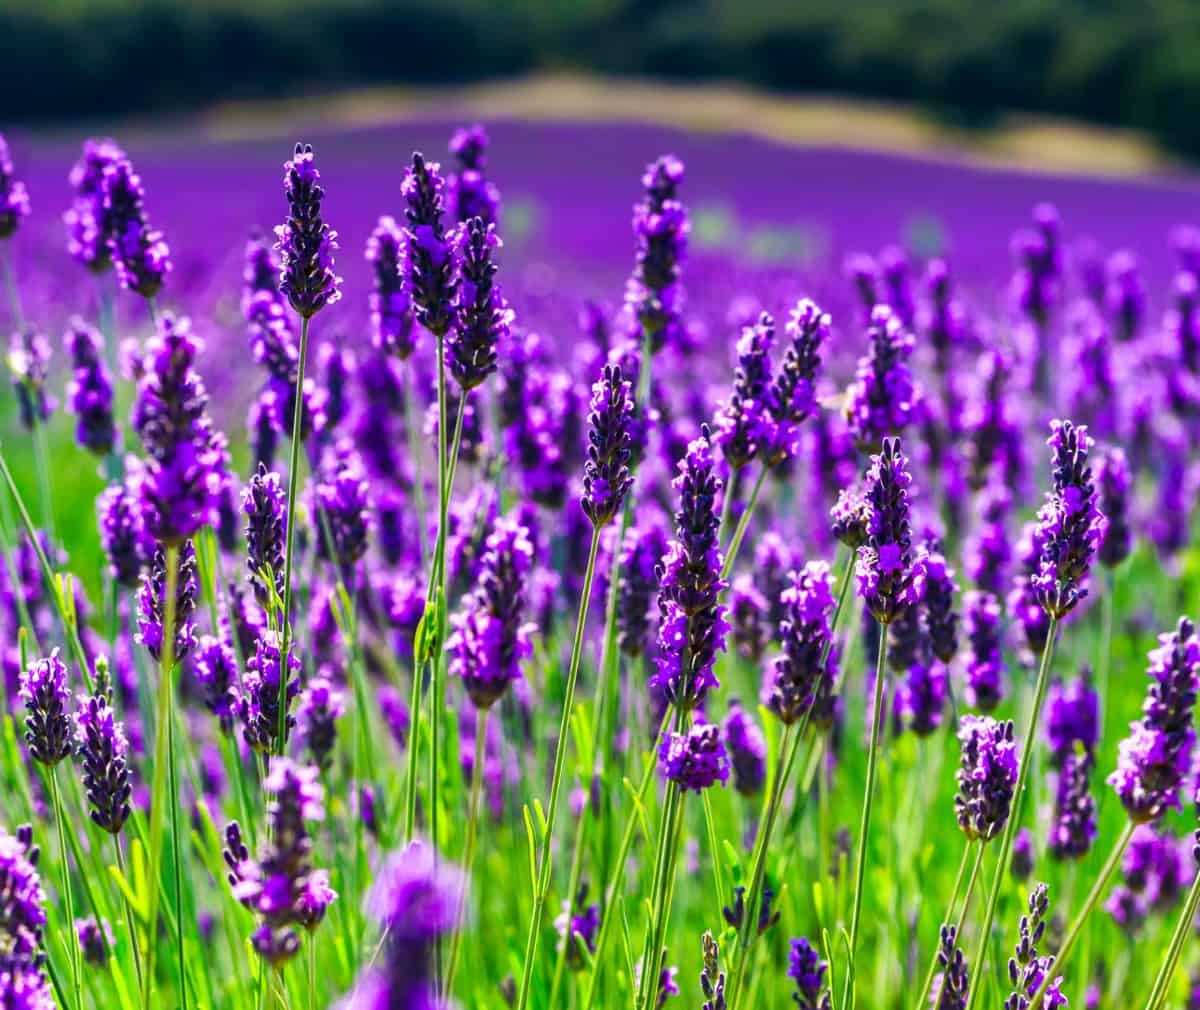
882, 399
482, 318
1153, 760
654, 294
215, 668
577, 927
29, 365
895, 272
178, 485
343, 518
1072, 717
1113, 483
941, 618
1024, 605
123, 535
151, 603
862, 272
1154, 867
807, 970
850, 517
468, 192
1181, 324
1022, 854
807, 669
748, 620
259, 701
90, 390
985, 673
793, 395
1125, 294
712, 979
14, 199
320, 706
942, 320
606, 476
490, 639
304, 241
744, 423
643, 549
261, 299
747, 749
987, 776
44, 690
887, 573
429, 254
22, 906
1073, 827
264, 503
138, 251
86, 221
921, 697
1026, 970
696, 759
104, 753
692, 626
988, 551
951, 984
1039, 255
95, 942
338, 367
392, 322
1069, 524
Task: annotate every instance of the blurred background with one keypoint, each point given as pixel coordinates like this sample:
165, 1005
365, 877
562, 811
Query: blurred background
962, 63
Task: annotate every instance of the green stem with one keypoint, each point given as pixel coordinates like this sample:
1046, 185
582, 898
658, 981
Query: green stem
560, 959
481, 720
130, 922
1106, 649
312, 973
65, 876
668, 845
1098, 889
1183, 929
285, 646
560, 750
975, 966
176, 856
41, 460
414, 454
865, 823
743, 522
923, 999
10, 285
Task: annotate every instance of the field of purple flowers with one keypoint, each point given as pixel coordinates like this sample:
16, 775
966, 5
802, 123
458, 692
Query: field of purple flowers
421, 589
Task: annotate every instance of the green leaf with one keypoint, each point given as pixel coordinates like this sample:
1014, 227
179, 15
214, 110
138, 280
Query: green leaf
533, 873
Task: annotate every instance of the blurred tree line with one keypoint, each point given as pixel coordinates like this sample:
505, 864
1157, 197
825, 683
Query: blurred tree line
1111, 61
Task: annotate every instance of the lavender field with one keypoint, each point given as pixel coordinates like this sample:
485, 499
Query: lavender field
594, 566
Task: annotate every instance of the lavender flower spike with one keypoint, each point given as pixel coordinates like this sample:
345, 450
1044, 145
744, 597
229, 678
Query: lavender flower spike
1154, 759
22, 925
87, 235
48, 730
392, 323
258, 704
606, 476
1113, 482
808, 666
654, 294
882, 398
807, 971
216, 671
319, 708
696, 759
889, 579
793, 393
429, 259
14, 199
90, 391
152, 606
139, 252
264, 503
482, 318
29, 364
951, 986
468, 191
104, 752
744, 423
987, 776
747, 748
122, 534
305, 242
1026, 970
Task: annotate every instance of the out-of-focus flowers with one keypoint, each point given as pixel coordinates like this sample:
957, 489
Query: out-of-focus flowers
747, 750
654, 294
14, 198
138, 251
881, 400
392, 323
86, 222
90, 390
469, 193
29, 365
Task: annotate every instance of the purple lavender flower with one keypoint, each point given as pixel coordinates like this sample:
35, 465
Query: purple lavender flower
468, 192
988, 551
86, 221
281, 886
1125, 294
14, 199
921, 697
747, 749
896, 275
1154, 868
264, 503
1113, 481
577, 927
215, 668
748, 618
850, 517
942, 319
1069, 524
792, 397
696, 759
1154, 759
882, 399
343, 514
1072, 717
122, 535
95, 941
807, 971
1073, 827
1022, 854
319, 708
22, 924
179, 484
1181, 324
305, 242
429, 254
862, 272
151, 603
258, 704
744, 422
951, 984
654, 294
887, 575
937, 602
1026, 970
138, 251
48, 730
985, 673
807, 669
606, 476
90, 391
992, 425
392, 319
692, 625
338, 365
264, 426
29, 365
987, 776
482, 318
489, 640
641, 554
104, 753
1039, 254
1023, 602
773, 565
